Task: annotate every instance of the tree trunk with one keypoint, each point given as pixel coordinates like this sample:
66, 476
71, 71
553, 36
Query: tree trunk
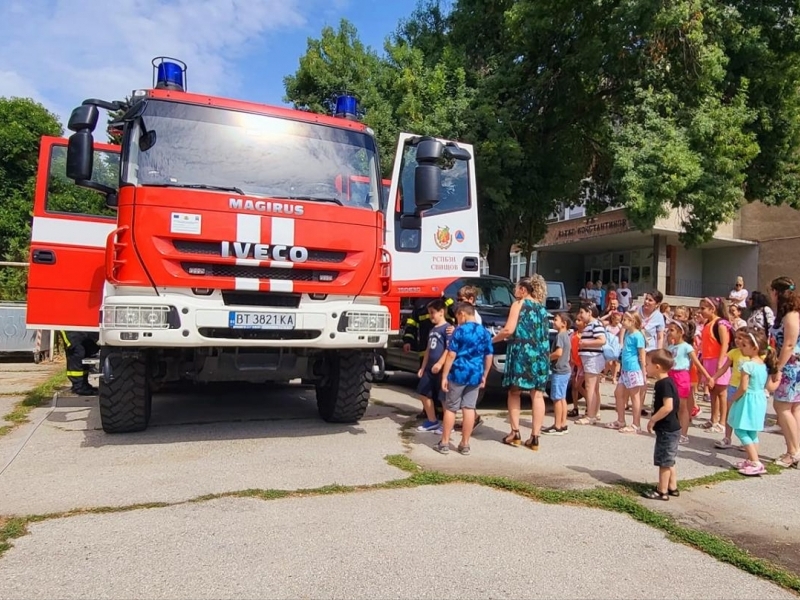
499, 255
528, 269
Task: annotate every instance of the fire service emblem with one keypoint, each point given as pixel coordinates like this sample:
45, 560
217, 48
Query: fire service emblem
443, 238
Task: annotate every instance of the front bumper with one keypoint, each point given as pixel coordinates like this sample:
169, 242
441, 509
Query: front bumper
202, 322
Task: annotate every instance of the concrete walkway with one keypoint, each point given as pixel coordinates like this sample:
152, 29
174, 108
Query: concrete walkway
431, 542
443, 541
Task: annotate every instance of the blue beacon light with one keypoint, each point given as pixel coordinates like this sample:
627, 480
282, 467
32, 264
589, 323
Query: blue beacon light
169, 74
346, 107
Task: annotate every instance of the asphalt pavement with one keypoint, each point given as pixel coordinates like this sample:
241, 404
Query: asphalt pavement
442, 541
455, 541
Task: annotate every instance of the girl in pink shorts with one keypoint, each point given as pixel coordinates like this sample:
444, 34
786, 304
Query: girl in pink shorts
716, 341
680, 335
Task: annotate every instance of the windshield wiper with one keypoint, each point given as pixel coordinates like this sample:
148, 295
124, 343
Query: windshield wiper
310, 198
200, 186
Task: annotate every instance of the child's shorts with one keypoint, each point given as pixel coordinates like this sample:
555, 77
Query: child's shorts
558, 386
461, 396
429, 385
682, 382
711, 365
732, 389
631, 379
666, 448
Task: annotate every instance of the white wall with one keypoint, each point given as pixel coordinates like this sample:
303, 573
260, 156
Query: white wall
721, 266
689, 272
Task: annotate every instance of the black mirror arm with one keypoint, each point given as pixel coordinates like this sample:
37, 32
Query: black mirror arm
114, 105
97, 187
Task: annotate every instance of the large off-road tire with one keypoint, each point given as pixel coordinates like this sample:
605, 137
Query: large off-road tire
343, 394
126, 400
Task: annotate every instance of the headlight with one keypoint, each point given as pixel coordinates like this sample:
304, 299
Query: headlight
366, 322
136, 317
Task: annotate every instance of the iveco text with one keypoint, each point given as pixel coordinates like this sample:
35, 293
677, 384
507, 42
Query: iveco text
296, 254
282, 208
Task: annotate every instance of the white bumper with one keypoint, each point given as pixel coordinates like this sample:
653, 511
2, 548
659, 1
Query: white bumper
204, 321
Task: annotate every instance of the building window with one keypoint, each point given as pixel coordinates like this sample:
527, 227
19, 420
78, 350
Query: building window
575, 212
518, 265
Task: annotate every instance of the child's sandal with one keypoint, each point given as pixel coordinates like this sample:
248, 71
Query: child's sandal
674, 493
654, 494
573, 412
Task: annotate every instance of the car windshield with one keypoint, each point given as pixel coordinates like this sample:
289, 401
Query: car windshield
553, 290
183, 145
491, 292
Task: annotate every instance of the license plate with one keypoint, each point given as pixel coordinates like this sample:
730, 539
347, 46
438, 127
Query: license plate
260, 320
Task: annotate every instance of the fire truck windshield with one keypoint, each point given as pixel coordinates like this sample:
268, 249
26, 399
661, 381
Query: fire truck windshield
202, 147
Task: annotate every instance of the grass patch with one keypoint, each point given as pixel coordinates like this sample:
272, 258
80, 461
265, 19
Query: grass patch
36, 397
402, 462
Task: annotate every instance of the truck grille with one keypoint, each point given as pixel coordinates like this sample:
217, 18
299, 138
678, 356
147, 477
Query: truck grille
228, 270
233, 298
259, 334
215, 249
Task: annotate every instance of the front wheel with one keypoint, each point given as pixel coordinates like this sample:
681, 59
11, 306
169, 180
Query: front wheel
126, 400
343, 394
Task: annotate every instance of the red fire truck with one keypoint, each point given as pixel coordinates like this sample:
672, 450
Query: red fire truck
229, 250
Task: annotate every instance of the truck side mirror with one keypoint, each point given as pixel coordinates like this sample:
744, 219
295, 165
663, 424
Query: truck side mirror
427, 186
83, 117
80, 156
453, 152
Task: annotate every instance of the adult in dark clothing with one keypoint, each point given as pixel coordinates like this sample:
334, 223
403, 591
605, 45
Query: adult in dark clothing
80, 345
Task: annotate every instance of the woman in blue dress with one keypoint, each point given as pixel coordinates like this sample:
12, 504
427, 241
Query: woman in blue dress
786, 335
527, 356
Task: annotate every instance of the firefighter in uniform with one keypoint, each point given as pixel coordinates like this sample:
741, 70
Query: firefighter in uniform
80, 345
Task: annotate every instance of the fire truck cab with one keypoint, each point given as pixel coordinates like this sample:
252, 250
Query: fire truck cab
232, 241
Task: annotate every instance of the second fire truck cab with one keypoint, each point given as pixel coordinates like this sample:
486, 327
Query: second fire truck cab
241, 242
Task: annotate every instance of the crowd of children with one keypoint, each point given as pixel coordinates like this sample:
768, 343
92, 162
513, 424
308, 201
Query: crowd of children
711, 349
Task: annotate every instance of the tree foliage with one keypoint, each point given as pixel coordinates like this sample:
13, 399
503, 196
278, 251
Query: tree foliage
691, 105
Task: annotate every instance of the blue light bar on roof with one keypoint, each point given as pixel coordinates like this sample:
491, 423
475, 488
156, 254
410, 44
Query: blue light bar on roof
169, 74
346, 107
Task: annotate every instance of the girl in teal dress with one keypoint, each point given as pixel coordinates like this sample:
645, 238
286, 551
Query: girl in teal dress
748, 406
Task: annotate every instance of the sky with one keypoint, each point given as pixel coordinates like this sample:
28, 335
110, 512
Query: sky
60, 52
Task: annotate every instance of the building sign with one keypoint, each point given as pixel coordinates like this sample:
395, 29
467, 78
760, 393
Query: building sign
579, 229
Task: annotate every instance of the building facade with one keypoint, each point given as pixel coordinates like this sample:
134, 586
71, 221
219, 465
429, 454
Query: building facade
757, 245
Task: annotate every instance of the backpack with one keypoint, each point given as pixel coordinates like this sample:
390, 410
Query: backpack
715, 329
612, 349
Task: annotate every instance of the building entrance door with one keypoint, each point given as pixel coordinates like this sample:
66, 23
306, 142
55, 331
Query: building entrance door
619, 274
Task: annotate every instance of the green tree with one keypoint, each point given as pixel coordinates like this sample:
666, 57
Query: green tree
337, 62
22, 123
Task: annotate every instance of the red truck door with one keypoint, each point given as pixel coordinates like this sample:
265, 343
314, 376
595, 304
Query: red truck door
426, 260
68, 239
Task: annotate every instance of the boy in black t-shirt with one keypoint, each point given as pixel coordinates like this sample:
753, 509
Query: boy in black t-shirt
665, 423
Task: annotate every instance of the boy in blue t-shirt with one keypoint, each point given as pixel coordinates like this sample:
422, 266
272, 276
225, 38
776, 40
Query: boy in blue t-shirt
430, 373
467, 363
